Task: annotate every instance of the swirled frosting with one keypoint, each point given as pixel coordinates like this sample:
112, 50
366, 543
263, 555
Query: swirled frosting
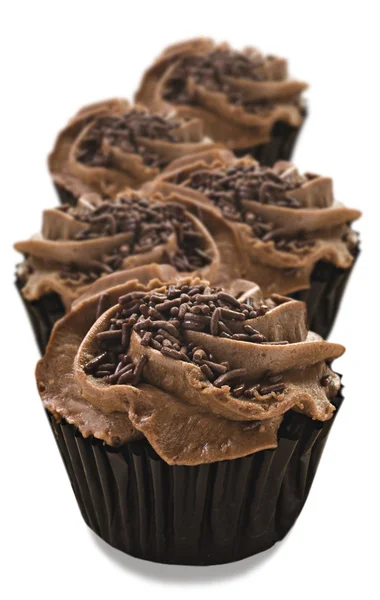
204, 374
238, 95
112, 145
97, 239
277, 223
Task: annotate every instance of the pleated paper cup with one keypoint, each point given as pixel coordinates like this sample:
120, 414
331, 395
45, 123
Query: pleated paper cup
193, 515
325, 294
279, 147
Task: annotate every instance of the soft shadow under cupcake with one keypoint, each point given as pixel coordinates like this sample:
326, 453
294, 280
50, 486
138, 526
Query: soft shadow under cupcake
183, 573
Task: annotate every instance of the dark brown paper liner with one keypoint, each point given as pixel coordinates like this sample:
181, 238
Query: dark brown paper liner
65, 196
325, 294
202, 515
42, 313
280, 146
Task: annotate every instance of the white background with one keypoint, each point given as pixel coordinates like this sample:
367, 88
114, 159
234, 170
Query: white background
58, 56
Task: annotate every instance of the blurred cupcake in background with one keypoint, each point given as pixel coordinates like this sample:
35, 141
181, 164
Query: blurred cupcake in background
111, 145
245, 99
97, 239
291, 235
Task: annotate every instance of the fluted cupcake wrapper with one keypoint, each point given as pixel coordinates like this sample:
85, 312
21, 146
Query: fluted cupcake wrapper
200, 515
280, 146
65, 196
42, 313
325, 294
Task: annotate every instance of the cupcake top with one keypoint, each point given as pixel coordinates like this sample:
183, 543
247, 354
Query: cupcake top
282, 222
112, 145
96, 239
203, 373
238, 95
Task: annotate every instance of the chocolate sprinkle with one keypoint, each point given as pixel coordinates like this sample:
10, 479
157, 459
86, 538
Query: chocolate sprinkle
226, 377
102, 305
93, 364
276, 388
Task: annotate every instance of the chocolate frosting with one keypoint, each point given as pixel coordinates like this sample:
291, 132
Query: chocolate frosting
238, 95
277, 229
83, 244
187, 418
111, 145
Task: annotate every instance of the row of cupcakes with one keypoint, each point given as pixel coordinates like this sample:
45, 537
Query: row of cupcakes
207, 213
213, 94
190, 406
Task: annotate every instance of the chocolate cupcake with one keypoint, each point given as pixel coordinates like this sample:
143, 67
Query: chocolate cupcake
191, 419
112, 145
290, 234
96, 240
245, 99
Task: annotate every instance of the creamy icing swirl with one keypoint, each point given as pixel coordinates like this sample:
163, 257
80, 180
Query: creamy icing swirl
277, 223
96, 239
146, 368
111, 145
238, 95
